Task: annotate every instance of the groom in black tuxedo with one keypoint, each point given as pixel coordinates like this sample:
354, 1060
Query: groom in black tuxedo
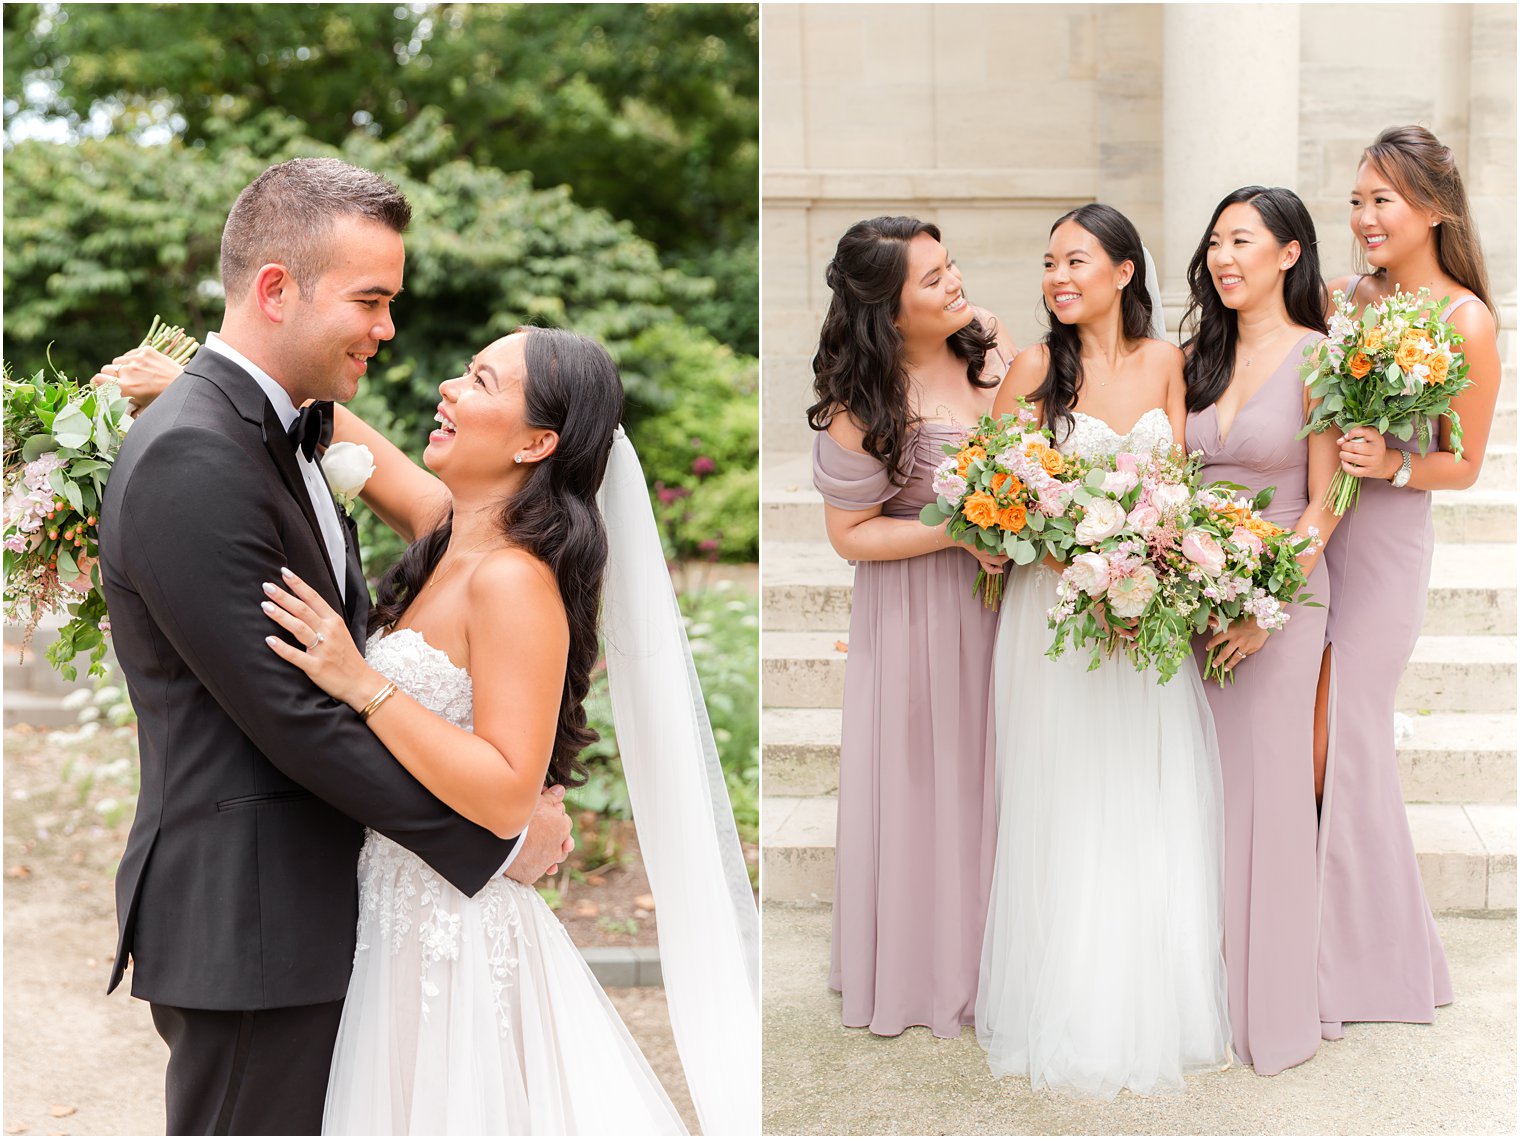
236, 898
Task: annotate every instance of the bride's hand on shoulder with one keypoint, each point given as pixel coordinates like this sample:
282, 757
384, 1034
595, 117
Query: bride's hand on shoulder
328, 654
142, 374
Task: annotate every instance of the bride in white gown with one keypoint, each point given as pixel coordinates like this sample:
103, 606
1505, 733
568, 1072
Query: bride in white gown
477, 1015
1102, 963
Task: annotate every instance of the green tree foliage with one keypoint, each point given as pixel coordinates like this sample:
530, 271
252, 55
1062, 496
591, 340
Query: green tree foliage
649, 111
102, 235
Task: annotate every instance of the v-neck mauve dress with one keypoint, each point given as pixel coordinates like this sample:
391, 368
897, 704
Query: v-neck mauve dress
1265, 723
1380, 956
914, 851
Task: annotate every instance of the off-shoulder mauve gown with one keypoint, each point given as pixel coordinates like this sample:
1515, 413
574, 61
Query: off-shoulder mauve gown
1265, 723
915, 840
1380, 957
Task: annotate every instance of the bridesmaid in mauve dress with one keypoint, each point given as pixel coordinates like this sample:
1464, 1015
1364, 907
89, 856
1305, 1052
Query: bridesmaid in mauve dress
1258, 302
1380, 955
905, 365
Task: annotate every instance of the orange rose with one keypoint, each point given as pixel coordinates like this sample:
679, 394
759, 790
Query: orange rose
1374, 339
1004, 483
969, 456
1409, 353
1012, 517
1359, 365
1261, 527
1051, 460
1438, 370
981, 509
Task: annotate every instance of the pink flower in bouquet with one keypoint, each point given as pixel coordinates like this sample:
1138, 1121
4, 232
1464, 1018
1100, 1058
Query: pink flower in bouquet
1128, 462
1129, 596
1026, 415
1089, 573
1199, 547
948, 482
1144, 518
1103, 519
1120, 482
1246, 540
1169, 497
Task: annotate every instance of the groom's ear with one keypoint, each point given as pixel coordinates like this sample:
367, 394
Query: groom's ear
274, 290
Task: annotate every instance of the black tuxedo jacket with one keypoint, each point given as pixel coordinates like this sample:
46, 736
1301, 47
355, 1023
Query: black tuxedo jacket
237, 888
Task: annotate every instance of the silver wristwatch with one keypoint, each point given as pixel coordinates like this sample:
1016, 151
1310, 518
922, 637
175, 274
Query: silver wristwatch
1401, 477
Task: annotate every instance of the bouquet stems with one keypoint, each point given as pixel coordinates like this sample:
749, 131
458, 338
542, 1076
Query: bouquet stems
1342, 493
989, 587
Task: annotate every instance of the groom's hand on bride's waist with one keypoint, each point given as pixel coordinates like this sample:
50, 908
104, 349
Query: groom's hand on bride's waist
547, 840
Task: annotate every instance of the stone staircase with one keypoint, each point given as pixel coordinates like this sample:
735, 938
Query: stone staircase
1457, 769
34, 691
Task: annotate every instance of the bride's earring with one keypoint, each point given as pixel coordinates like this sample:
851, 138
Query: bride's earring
517, 458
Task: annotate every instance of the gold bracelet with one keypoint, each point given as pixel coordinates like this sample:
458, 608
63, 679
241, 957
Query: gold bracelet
380, 698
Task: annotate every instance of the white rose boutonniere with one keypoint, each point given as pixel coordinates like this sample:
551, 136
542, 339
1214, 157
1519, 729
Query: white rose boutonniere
348, 467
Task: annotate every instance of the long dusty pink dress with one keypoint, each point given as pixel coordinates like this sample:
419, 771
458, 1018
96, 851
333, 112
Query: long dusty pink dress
915, 841
1380, 957
1265, 723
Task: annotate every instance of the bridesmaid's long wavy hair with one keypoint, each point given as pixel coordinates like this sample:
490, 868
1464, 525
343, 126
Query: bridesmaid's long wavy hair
1209, 354
1057, 393
1425, 173
572, 388
859, 366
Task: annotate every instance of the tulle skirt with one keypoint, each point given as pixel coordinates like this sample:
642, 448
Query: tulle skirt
478, 1016
1102, 964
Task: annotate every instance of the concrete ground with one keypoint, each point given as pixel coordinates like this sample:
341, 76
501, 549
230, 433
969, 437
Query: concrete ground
1456, 1076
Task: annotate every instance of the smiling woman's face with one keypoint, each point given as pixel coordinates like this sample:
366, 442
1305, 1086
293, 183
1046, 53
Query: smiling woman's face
932, 304
482, 418
1081, 281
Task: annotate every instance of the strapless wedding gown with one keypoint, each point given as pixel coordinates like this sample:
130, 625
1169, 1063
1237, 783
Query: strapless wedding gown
474, 1016
1102, 964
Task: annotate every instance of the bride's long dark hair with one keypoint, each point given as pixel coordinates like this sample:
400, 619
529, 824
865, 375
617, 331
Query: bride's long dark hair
572, 388
1117, 236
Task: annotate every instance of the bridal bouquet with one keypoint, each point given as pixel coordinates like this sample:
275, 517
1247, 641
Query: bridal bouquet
61, 438
1392, 368
1005, 490
1159, 555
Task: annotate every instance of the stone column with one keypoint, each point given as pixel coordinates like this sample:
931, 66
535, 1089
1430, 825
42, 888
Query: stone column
1230, 105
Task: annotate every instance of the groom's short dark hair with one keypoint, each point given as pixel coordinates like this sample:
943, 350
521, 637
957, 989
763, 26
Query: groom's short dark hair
286, 215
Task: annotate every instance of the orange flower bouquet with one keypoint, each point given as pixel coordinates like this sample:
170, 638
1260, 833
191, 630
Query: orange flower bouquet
1004, 490
1395, 368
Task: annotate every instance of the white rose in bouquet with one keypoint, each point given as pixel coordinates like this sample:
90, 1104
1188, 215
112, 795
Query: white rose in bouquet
348, 466
1129, 596
1089, 573
1103, 519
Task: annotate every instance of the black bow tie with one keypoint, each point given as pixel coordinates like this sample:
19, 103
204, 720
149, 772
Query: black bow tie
313, 428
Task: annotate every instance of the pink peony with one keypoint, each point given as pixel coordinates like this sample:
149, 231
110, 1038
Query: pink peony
1200, 548
1144, 518
1120, 482
1247, 540
1128, 462
1089, 573
1129, 596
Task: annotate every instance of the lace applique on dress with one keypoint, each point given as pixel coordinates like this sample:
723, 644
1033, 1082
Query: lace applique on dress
1092, 438
403, 903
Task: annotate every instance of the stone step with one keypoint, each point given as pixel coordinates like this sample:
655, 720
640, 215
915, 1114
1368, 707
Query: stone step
792, 511
1445, 673
1474, 515
1450, 757
37, 709
1498, 471
1459, 674
1466, 853
806, 585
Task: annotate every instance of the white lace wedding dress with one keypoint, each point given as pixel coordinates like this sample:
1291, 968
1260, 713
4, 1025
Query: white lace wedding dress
1102, 964
474, 1016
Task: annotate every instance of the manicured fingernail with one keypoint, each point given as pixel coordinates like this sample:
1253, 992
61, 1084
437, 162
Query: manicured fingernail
285, 572
270, 588
271, 641
268, 607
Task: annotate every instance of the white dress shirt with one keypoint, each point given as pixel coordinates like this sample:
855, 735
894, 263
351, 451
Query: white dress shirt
316, 487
